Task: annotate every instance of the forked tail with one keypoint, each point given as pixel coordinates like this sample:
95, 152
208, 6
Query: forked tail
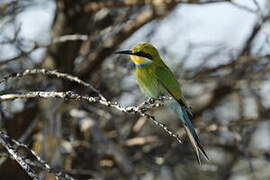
184, 115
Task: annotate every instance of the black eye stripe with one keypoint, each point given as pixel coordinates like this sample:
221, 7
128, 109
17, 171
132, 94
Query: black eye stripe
143, 54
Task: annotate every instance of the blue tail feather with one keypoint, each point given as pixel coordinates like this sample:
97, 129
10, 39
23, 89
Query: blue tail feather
184, 116
188, 123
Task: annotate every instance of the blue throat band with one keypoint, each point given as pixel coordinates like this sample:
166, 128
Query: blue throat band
144, 64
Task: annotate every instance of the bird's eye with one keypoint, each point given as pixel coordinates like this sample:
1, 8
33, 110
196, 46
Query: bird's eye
143, 54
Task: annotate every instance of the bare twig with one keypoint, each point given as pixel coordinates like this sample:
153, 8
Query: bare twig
243, 7
73, 96
95, 6
6, 143
70, 95
35, 46
241, 60
51, 73
12, 145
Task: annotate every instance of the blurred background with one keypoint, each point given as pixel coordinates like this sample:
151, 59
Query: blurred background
219, 50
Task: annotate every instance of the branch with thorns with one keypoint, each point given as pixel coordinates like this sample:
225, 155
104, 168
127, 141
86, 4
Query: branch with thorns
9, 143
69, 95
12, 146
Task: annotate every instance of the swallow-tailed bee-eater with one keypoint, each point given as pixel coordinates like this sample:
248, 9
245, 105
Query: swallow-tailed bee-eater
156, 79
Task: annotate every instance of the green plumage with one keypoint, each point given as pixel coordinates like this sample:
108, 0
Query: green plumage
148, 82
156, 79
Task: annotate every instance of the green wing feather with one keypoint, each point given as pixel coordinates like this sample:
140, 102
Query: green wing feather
167, 79
169, 82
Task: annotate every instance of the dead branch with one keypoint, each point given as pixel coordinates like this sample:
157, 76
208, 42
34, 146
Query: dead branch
69, 95
95, 6
11, 145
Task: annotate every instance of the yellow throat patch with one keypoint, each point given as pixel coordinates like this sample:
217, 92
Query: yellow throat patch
139, 60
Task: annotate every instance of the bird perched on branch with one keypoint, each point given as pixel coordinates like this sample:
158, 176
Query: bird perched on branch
156, 79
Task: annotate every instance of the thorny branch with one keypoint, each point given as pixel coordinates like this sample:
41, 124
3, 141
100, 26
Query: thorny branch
6, 142
12, 147
69, 95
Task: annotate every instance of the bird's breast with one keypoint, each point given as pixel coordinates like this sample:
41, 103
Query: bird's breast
148, 81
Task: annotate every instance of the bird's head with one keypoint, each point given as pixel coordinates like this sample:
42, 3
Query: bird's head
142, 54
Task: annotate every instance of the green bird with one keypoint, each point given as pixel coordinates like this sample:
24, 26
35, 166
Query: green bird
156, 79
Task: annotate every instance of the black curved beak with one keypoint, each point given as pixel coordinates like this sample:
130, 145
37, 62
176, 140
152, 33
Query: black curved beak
128, 52
140, 54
